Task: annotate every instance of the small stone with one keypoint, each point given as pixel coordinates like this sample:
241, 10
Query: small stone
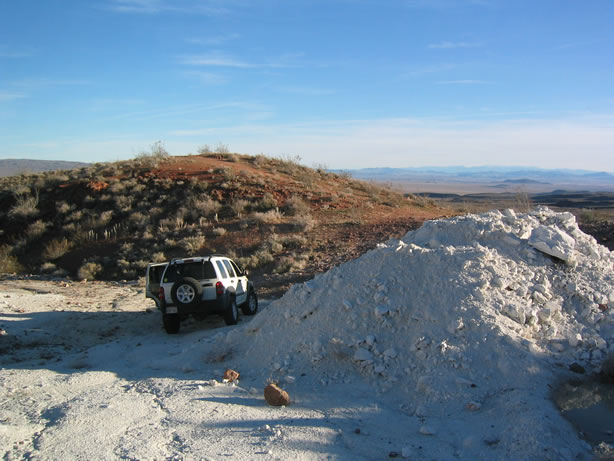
290, 379
275, 396
577, 368
406, 452
393, 454
230, 375
427, 430
473, 406
362, 355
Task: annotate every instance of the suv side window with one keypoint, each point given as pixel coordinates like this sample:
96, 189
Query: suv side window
230, 269
220, 266
237, 269
209, 271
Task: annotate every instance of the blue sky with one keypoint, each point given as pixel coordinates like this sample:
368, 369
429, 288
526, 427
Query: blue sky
341, 83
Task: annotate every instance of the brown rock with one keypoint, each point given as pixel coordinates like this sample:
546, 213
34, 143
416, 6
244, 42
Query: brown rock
230, 375
276, 396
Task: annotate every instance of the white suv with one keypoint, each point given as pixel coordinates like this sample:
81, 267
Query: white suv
200, 286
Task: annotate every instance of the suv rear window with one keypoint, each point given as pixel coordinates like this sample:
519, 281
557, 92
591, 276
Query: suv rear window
196, 270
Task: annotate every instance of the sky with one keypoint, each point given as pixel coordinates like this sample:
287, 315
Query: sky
338, 83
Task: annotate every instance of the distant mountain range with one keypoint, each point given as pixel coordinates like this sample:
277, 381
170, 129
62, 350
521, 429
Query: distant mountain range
492, 176
12, 167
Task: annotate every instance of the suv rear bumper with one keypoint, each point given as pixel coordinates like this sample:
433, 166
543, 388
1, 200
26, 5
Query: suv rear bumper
215, 306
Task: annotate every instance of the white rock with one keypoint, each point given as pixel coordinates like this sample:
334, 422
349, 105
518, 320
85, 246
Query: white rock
406, 452
553, 241
427, 430
370, 340
290, 379
362, 355
574, 339
390, 353
381, 310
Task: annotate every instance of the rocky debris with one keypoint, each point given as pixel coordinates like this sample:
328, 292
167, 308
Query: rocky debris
577, 368
275, 396
230, 376
450, 314
607, 369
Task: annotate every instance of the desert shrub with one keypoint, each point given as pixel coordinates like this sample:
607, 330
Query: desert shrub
303, 222
56, 249
26, 205
290, 264
274, 244
268, 217
267, 202
523, 202
259, 258
221, 148
229, 176
63, 207
124, 202
158, 257
48, 268
204, 206
8, 262
260, 160
293, 240
205, 149
89, 270
238, 206
138, 219
75, 216
295, 205
219, 231
193, 244
36, 229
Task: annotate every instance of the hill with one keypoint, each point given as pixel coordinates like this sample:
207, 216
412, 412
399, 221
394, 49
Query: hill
281, 220
12, 167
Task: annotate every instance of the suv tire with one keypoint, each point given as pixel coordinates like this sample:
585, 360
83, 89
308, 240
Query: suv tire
186, 292
171, 323
250, 306
231, 315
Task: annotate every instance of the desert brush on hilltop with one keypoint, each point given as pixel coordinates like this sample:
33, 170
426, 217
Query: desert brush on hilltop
273, 215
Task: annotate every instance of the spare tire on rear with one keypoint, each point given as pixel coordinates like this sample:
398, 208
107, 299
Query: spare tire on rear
187, 292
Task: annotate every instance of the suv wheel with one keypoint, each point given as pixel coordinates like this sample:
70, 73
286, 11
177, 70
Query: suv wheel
231, 315
186, 292
250, 307
171, 323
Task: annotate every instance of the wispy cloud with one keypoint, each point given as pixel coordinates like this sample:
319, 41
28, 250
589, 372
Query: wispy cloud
446, 45
219, 59
214, 60
7, 52
425, 70
286, 60
215, 40
205, 7
10, 95
35, 83
208, 78
464, 82
307, 91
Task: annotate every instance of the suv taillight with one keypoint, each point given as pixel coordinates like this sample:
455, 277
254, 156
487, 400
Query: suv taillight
219, 288
161, 294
